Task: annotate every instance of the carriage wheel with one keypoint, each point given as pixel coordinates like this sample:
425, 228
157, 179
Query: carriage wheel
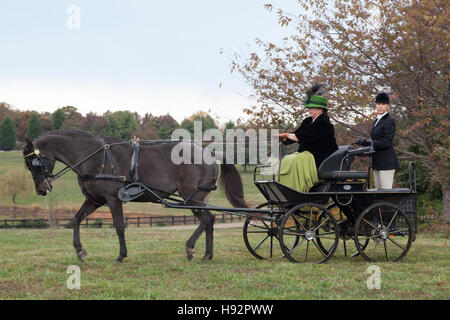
307, 223
388, 230
259, 237
344, 232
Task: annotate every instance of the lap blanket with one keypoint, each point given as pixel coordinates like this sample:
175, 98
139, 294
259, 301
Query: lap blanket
298, 171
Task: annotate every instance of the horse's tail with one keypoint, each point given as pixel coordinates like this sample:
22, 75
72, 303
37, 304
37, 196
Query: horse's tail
231, 182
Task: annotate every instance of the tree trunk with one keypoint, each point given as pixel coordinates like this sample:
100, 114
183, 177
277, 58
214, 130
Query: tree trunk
445, 202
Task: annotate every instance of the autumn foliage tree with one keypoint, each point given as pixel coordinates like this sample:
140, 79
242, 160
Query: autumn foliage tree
360, 48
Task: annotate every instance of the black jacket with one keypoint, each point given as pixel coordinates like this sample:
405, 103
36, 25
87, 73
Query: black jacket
382, 136
316, 137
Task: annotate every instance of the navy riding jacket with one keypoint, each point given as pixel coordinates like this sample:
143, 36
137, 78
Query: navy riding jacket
382, 135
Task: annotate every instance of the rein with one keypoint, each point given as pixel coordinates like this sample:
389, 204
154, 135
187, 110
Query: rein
48, 178
104, 147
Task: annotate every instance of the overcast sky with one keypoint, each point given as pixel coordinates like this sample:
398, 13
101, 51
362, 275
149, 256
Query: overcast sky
144, 56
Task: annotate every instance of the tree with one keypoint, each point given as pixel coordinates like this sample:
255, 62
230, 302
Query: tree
4, 109
7, 134
34, 128
121, 124
165, 125
188, 125
360, 48
58, 118
15, 183
206, 120
95, 124
73, 119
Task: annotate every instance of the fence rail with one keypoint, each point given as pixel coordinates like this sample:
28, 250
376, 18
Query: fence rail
142, 221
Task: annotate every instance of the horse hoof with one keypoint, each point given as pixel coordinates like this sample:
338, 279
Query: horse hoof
118, 260
190, 254
82, 255
207, 257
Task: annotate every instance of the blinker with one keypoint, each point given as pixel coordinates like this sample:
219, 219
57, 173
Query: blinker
36, 162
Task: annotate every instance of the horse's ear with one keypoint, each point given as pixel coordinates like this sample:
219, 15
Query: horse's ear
28, 145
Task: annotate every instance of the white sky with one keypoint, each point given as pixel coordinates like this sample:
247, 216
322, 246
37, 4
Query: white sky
144, 56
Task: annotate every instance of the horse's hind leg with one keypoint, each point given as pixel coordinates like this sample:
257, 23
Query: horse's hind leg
190, 244
209, 229
207, 225
86, 209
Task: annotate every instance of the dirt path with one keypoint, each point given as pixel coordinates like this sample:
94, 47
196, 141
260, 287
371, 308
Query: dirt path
216, 226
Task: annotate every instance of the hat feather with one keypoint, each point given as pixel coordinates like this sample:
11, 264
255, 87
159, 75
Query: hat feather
317, 89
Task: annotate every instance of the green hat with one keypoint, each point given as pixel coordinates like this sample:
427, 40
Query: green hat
317, 102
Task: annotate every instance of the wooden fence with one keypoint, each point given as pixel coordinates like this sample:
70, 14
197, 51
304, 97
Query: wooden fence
142, 221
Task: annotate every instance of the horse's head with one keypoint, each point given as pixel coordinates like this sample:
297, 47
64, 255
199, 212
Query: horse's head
41, 168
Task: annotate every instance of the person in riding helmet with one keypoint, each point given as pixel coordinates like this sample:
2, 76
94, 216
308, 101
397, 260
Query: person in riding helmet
384, 161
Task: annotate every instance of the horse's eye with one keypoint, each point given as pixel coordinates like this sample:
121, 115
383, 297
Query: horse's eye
36, 162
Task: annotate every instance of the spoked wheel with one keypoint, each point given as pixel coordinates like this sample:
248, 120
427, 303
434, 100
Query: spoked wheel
345, 232
301, 229
259, 237
388, 230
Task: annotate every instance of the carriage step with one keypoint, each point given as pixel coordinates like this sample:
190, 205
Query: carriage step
130, 193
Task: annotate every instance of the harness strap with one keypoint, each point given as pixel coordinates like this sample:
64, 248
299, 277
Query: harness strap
103, 176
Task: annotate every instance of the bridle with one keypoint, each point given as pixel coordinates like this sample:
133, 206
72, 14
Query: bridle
38, 162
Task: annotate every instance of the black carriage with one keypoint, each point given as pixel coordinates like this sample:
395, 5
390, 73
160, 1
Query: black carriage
381, 223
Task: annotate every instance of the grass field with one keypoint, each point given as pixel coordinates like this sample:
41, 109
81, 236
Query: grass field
67, 194
33, 265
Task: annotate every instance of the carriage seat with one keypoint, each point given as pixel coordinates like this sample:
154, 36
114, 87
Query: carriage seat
337, 166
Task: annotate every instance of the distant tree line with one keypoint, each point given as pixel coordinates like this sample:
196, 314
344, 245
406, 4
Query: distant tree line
16, 125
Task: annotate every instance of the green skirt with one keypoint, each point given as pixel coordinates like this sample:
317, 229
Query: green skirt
298, 171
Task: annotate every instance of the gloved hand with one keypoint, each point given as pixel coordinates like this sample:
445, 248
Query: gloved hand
364, 142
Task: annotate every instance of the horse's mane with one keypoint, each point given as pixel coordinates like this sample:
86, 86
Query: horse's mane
72, 132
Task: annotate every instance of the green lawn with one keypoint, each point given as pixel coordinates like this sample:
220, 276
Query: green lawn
34, 263
67, 194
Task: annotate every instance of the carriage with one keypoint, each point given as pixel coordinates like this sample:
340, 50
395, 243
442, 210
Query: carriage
381, 224
308, 226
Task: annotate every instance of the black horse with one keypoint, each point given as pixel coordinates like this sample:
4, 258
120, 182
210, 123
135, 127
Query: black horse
85, 155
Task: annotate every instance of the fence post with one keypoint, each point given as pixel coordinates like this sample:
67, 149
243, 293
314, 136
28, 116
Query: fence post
139, 222
87, 222
151, 221
184, 220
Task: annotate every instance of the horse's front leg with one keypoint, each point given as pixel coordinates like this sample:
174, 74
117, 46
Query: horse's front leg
86, 209
116, 208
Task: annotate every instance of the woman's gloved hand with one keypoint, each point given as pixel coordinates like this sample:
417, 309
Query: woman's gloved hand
364, 142
283, 136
